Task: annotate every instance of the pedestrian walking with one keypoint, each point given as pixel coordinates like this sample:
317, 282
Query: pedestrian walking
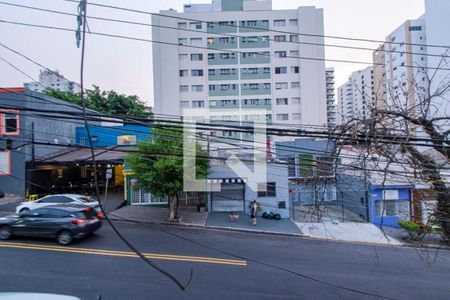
253, 211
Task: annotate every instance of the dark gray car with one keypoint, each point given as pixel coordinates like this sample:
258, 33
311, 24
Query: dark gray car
63, 222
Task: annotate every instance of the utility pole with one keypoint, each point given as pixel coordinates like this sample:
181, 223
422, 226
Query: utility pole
366, 188
33, 157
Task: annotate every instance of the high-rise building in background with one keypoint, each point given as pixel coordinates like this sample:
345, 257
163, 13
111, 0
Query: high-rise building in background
356, 96
53, 80
416, 62
241, 54
331, 104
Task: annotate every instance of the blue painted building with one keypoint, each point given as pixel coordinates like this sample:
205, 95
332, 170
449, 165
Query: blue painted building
390, 204
103, 136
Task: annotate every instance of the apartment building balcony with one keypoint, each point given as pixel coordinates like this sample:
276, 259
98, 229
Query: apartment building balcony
222, 74
221, 27
255, 73
223, 90
222, 43
255, 89
254, 42
224, 104
254, 26
222, 59
255, 58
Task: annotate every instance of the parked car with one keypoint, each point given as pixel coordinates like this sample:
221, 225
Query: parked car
58, 199
64, 222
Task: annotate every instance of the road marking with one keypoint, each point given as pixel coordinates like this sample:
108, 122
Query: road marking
199, 259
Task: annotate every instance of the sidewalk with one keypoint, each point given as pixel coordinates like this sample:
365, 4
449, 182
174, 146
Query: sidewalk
215, 220
349, 232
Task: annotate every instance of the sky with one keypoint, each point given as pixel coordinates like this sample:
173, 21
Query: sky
126, 66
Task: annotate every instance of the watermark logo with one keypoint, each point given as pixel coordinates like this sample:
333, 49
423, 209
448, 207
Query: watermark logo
251, 171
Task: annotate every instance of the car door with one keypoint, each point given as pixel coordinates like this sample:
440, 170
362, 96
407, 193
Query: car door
29, 223
47, 223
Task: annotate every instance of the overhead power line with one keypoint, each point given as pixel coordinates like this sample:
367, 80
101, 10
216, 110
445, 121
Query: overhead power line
214, 33
261, 28
209, 48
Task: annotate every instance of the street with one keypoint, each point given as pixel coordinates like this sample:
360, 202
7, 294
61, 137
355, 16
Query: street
226, 265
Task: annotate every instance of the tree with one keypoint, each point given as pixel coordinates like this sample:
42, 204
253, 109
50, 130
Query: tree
107, 102
158, 165
410, 126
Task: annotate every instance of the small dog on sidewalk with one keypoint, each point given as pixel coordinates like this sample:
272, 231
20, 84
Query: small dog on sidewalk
233, 217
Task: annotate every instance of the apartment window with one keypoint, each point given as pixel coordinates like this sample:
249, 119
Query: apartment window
182, 25
197, 88
293, 38
281, 86
294, 53
282, 117
268, 101
196, 57
196, 41
226, 40
267, 189
279, 23
280, 54
182, 56
211, 56
282, 101
184, 73
293, 22
266, 86
211, 72
197, 73
182, 41
279, 38
251, 23
295, 85
295, 69
227, 55
280, 70
11, 125
184, 104
126, 140
266, 70
265, 23
198, 103
295, 100
196, 25
415, 28
296, 116
184, 88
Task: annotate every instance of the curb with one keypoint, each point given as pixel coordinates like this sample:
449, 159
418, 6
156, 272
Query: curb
254, 231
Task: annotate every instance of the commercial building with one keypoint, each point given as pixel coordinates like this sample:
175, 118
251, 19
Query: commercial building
241, 55
52, 80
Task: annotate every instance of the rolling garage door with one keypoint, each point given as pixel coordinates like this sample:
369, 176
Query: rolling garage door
230, 198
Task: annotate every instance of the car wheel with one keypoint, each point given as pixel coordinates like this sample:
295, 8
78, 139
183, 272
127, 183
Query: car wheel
24, 210
64, 237
5, 233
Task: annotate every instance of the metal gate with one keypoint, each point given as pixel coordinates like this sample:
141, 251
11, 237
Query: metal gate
230, 198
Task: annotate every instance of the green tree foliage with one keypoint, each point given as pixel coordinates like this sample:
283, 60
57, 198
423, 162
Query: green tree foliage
107, 102
158, 165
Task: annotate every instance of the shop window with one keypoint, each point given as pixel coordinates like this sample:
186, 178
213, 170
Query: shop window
126, 140
5, 163
267, 189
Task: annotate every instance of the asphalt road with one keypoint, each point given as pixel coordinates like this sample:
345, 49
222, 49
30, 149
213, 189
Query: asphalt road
226, 265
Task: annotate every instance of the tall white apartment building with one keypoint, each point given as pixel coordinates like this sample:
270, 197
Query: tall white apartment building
437, 32
405, 62
53, 80
241, 54
356, 96
331, 105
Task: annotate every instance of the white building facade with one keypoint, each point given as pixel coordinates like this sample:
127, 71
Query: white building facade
331, 103
52, 80
356, 96
241, 55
